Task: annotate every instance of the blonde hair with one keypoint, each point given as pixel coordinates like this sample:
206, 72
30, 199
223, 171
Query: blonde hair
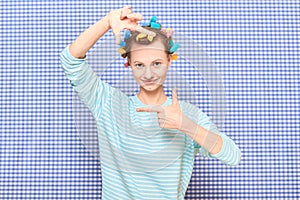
160, 36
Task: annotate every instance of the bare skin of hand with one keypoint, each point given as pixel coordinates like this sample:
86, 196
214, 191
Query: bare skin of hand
172, 117
168, 116
121, 19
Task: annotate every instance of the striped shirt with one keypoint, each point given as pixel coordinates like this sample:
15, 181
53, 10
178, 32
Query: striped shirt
139, 160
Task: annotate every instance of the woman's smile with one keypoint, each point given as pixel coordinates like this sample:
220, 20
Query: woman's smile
149, 82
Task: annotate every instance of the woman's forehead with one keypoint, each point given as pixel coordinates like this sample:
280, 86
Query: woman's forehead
156, 45
148, 55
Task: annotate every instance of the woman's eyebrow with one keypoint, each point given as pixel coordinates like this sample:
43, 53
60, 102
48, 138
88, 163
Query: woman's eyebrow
157, 60
139, 62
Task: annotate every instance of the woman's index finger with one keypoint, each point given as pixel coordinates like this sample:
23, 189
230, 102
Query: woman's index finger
150, 109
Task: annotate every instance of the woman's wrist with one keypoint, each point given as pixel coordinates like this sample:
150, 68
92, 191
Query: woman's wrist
106, 22
209, 140
188, 126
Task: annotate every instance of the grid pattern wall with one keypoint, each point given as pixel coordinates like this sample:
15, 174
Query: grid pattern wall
254, 45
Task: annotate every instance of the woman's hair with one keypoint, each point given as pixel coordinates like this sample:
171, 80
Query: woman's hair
160, 36
146, 37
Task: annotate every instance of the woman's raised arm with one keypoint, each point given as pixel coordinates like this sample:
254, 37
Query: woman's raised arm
117, 20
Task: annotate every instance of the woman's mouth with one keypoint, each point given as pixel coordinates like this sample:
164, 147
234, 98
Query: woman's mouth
149, 82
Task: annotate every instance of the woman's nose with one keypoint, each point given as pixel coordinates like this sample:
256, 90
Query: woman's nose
148, 72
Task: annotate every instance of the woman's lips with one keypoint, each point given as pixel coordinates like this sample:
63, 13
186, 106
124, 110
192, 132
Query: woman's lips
149, 82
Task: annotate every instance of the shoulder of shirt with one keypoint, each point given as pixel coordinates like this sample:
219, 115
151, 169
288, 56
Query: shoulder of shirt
189, 108
187, 105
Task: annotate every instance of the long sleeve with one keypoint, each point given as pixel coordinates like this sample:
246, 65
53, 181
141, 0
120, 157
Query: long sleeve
230, 154
91, 90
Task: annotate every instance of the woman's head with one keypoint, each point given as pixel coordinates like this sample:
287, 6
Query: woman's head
149, 64
149, 57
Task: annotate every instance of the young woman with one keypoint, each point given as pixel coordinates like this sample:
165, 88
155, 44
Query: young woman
147, 141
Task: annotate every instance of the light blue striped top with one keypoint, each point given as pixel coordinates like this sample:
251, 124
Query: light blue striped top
139, 160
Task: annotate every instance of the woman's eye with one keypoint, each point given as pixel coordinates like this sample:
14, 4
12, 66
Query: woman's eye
138, 65
157, 64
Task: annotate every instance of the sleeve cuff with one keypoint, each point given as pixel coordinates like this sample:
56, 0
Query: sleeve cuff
229, 154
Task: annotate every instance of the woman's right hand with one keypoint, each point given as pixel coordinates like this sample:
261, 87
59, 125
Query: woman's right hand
121, 19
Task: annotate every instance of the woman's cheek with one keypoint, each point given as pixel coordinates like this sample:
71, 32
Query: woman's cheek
136, 75
162, 74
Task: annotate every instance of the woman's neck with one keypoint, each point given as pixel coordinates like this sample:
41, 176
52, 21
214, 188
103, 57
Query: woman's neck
156, 97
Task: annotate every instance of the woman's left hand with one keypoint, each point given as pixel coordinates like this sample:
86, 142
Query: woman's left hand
168, 116
121, 19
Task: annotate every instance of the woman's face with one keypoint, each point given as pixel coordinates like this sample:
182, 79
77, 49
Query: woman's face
149, 64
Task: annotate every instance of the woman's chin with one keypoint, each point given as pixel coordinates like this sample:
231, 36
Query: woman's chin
150, 87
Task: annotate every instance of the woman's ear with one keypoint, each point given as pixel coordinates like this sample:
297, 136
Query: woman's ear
128, 61
169, 61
